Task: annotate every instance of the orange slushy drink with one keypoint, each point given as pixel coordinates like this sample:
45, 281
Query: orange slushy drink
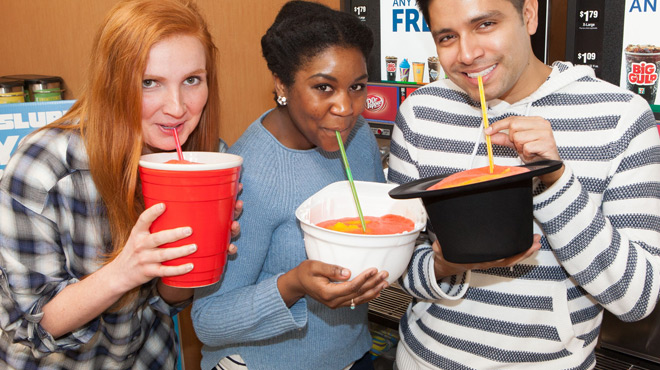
180, 161
387, 224
476, 175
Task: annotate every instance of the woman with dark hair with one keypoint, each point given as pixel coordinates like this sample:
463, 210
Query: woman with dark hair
80, 272
275, 309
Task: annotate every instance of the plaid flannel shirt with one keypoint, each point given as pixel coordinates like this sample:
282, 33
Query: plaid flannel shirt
53, 226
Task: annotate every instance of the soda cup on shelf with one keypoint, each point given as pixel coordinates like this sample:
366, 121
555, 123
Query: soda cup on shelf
418, 72
390, 67
434, 69
404, 70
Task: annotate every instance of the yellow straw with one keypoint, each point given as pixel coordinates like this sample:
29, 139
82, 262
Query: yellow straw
489, 146
350, 181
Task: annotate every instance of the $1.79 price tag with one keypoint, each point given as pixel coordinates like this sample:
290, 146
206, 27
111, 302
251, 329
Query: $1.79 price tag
589, 15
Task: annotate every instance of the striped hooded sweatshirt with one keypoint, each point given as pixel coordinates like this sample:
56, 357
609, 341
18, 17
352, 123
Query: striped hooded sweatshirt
600, 227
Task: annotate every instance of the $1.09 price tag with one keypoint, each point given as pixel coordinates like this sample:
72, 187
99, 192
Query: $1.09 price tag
586, 57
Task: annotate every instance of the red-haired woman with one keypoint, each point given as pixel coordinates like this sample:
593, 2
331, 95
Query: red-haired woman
80, 272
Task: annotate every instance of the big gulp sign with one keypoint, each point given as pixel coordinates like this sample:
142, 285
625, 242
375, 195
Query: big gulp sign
643, 73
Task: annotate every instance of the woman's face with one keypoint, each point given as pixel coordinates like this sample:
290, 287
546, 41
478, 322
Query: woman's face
328, 95
174, 91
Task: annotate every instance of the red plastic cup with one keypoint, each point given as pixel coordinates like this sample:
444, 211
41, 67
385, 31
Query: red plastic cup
202, 196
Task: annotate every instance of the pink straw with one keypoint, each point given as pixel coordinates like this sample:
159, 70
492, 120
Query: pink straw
178, 145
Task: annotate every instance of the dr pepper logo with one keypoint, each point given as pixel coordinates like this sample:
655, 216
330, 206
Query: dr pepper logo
643, 73
374, 103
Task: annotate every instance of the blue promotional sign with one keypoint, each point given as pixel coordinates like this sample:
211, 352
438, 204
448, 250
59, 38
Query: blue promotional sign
17, 120
407, 49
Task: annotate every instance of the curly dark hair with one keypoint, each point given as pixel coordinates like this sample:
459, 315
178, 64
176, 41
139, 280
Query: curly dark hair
423, 5
304, 29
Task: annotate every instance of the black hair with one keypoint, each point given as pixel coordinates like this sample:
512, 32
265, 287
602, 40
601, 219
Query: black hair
423, 5
304, 29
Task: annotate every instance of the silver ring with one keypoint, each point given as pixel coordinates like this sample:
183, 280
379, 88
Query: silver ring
352, 304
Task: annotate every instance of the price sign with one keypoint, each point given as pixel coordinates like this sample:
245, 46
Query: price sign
590, 58
359, 8
586, 57
589, 33
588, 15
589, 19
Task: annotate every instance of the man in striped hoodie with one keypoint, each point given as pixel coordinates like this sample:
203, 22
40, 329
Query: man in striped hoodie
598, 215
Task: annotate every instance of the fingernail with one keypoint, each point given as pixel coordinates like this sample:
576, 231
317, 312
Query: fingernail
189, 267
161, 206
488, 131
187, 231
192, 248
345, 272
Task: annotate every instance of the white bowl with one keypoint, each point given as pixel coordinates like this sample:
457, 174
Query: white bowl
359, 252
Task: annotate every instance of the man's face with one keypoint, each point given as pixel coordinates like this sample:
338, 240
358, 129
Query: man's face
488, 38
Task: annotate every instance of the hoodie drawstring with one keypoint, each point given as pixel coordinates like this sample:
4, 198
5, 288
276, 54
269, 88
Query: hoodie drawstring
481, 137
529, 107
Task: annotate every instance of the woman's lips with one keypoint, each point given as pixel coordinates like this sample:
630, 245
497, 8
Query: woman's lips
169, 127
341, 131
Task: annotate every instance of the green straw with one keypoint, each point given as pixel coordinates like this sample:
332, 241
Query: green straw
350, 180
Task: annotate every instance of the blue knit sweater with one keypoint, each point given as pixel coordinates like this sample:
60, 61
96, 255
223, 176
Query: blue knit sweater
244, 314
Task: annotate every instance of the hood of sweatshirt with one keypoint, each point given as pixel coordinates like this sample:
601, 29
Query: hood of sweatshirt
562, 75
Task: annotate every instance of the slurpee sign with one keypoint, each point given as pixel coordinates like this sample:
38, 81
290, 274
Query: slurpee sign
17, 120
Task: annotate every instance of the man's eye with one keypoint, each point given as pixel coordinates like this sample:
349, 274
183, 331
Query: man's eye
486, 24
445, 38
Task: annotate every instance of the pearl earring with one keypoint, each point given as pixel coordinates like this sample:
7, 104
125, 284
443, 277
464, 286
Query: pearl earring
281, 100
